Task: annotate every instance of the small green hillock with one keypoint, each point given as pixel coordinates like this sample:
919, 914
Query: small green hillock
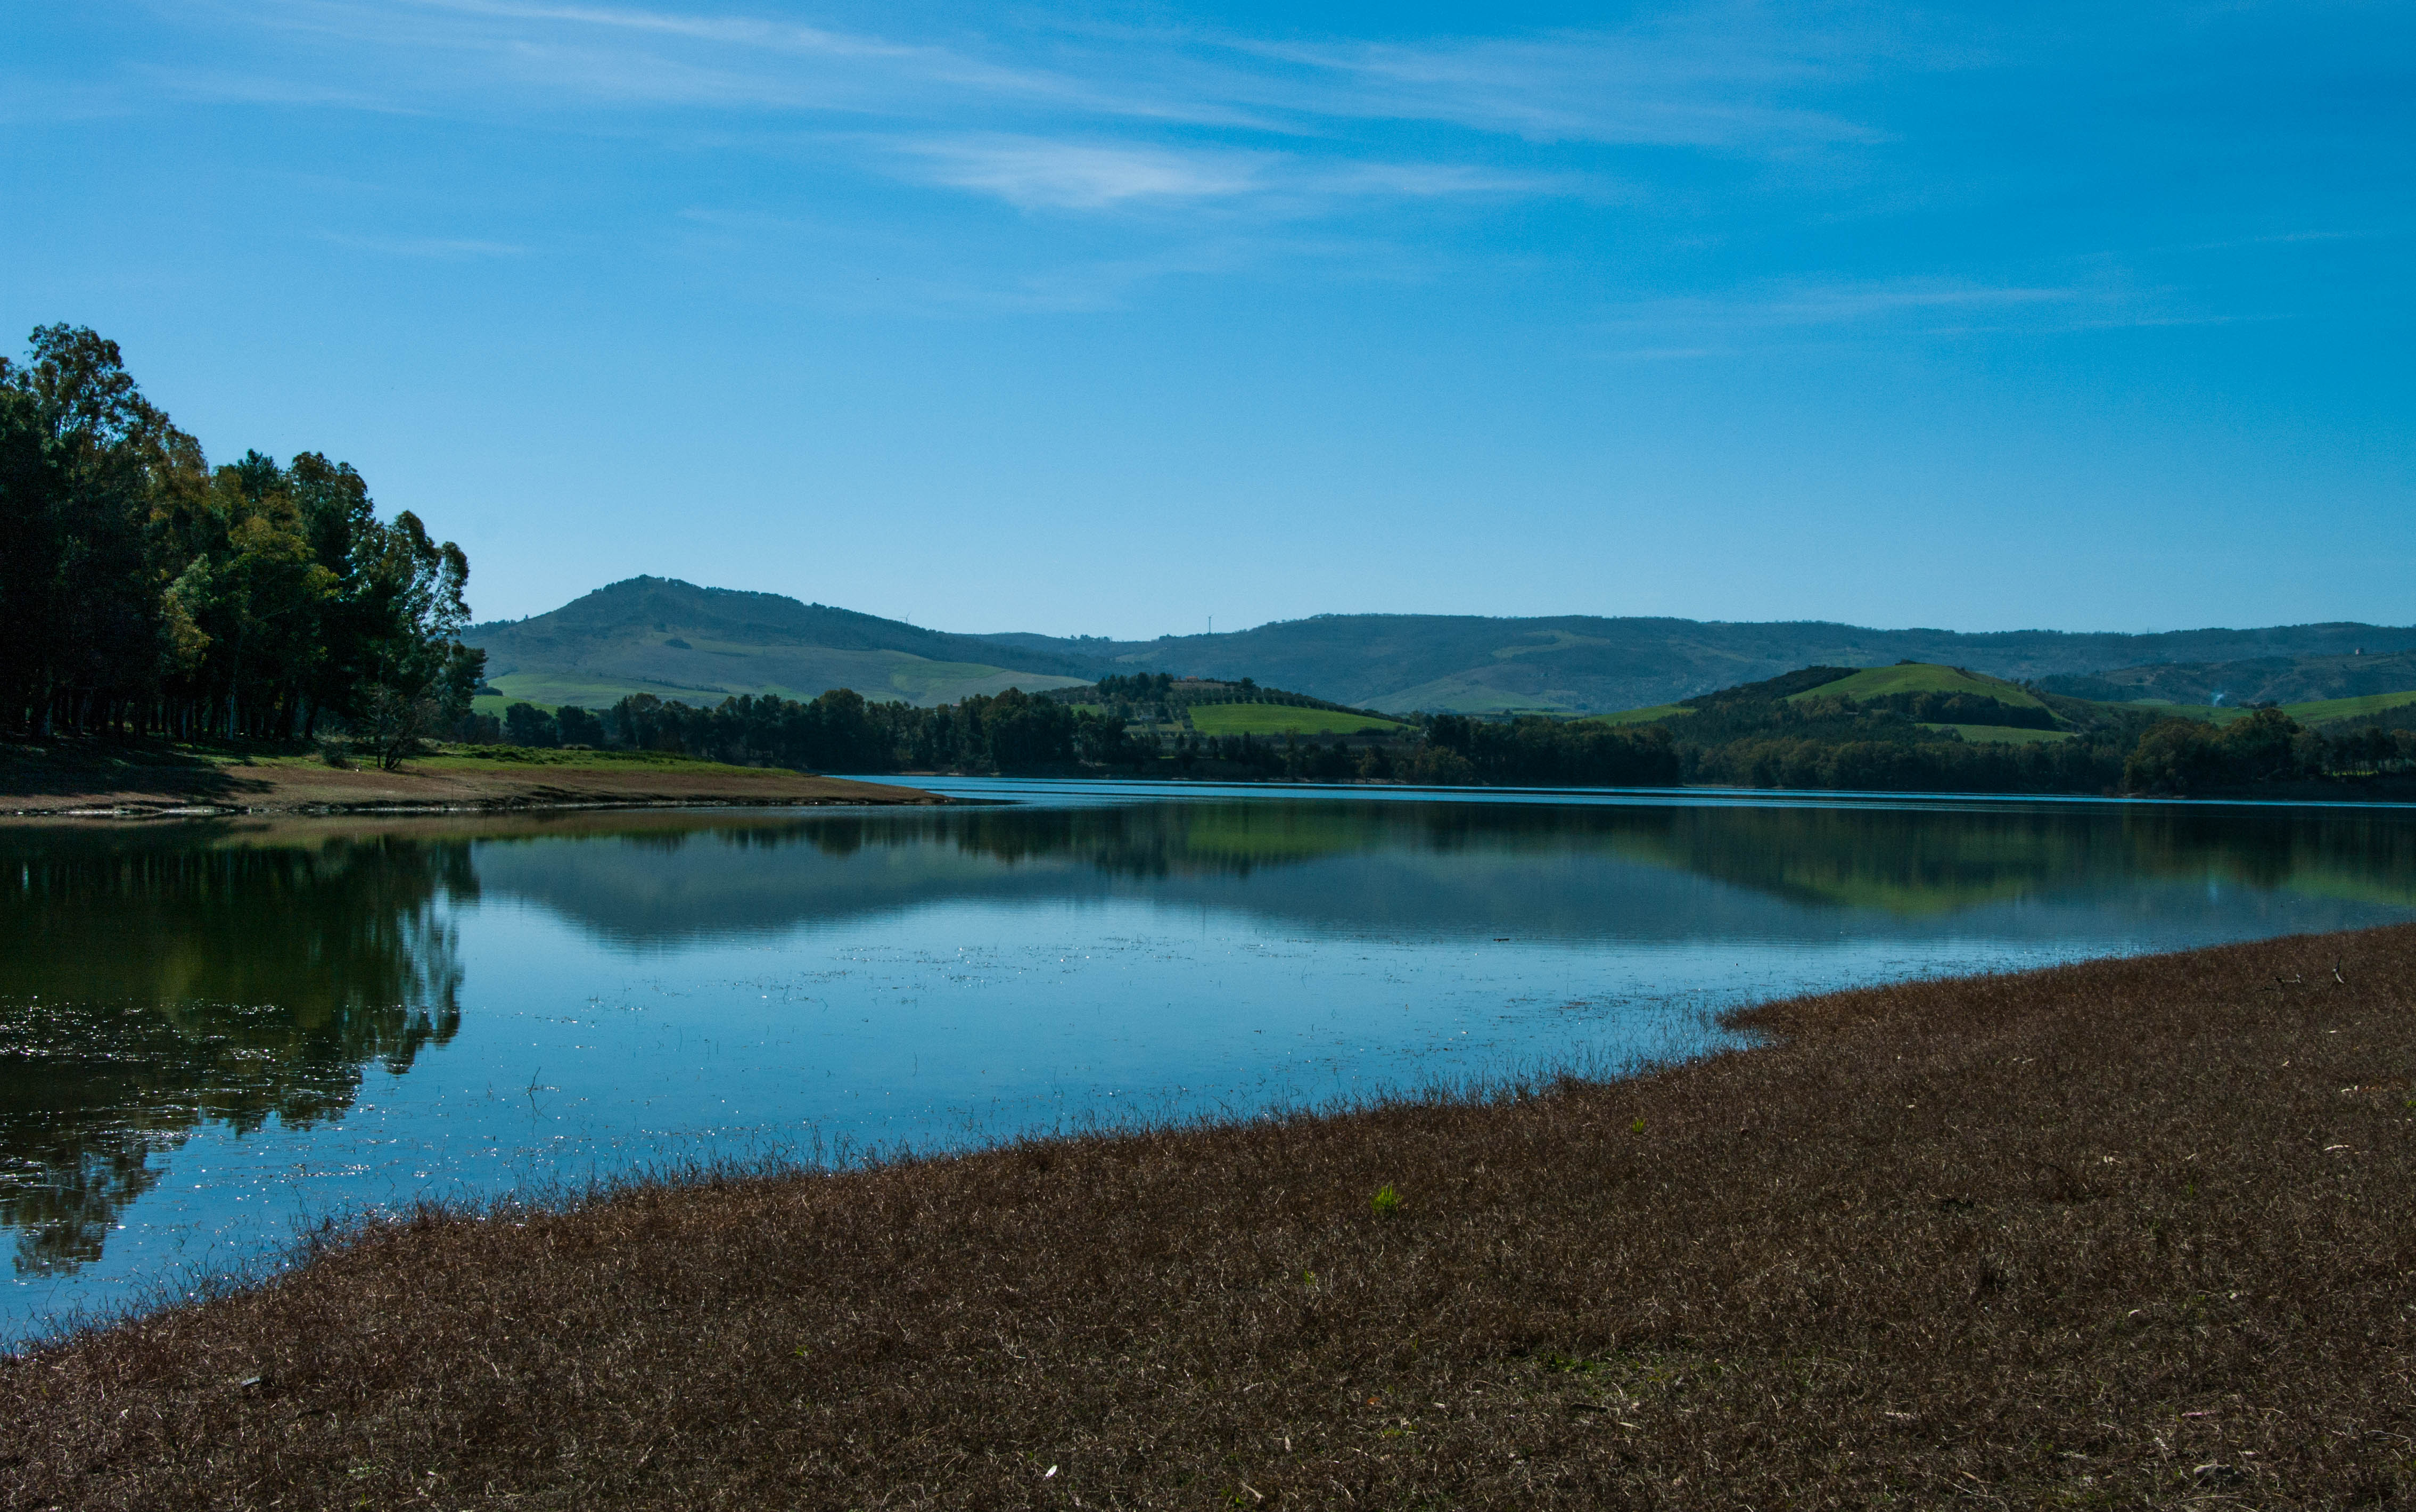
1915, 678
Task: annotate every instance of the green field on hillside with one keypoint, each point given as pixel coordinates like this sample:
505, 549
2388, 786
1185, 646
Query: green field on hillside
1280, 719
1919, 677
2002, 733
1644, 716
2319, 711
2323, 711
551, 690
880, 676
2211, 714
1464, 695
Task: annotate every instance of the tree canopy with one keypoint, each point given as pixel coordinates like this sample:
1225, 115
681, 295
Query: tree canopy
146, 591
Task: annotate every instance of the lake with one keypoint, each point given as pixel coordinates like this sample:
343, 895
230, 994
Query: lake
219, 1032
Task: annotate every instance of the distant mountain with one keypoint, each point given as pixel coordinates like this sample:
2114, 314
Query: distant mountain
2257, 680
1583, 664
677, 641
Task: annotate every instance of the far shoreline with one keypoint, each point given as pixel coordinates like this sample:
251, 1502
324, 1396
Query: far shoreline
101, 780
135, 782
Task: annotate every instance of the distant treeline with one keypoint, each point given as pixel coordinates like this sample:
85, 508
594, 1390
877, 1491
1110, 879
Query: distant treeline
1013, 732
146, 592
842, 731
1164, 697
1540, 752
1753, 736
1746, 737
2181, 756
838, 732
1942, 763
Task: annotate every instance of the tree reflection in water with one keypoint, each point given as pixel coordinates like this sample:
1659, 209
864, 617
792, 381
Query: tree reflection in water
152, 983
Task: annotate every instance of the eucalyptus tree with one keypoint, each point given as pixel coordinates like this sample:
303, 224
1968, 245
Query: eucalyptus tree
143, 590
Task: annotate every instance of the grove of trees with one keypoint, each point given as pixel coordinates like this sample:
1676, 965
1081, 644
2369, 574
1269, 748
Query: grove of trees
146, 592
1755, 742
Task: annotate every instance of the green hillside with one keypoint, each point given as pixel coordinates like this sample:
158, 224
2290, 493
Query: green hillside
700, 645
1643, 716
1278, 718
2012, 735
2312, 712
1919, 677
1579, 664
1868, 685
2373, 669
2323, 711
678, 641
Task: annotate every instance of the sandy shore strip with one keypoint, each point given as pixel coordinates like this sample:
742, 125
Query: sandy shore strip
90, 783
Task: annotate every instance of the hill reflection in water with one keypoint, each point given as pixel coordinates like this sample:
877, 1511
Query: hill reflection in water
1577, 873
244, 977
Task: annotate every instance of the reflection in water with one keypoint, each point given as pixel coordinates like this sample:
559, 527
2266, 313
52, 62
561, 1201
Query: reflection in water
1904, 861
149, 987
245, 975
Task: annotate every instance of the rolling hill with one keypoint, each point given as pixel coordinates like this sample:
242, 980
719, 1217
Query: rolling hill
677, 641
1579, 664
1920, 678
2273, 679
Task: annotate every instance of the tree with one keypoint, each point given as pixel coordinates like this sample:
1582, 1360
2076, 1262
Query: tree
144, 591
525, 724
420, 676
84, 462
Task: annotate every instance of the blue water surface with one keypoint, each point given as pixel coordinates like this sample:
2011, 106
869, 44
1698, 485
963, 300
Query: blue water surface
219, 1032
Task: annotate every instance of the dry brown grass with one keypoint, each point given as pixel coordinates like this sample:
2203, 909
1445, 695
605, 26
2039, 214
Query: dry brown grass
2126, 1233
140, 777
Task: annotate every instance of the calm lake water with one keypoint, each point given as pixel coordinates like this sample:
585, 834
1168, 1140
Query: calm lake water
217, 1032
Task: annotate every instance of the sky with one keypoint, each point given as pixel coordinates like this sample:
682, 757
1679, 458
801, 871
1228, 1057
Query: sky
1112, 318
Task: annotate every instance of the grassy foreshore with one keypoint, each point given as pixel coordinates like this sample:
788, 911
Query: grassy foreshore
141, 778
2125, 1234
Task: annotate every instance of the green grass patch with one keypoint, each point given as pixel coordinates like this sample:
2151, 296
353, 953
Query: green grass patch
950, 681
549, 691
1645, 716
2323, 711
1920, 678
1468, 695
1279, 718
2003, 735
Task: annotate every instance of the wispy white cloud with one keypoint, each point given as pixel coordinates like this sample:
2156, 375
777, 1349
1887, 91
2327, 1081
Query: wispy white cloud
1083, 175
1036, 170
1185, 135
1723, 83
1721, 91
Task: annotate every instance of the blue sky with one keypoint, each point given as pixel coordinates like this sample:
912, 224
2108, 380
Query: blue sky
1107, 318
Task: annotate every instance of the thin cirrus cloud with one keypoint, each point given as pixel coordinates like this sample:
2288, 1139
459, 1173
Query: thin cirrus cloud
1714, 83
1722, 82
1690, 90
1034, 171
617, 56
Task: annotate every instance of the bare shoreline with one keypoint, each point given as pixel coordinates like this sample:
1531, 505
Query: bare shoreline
134, 783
